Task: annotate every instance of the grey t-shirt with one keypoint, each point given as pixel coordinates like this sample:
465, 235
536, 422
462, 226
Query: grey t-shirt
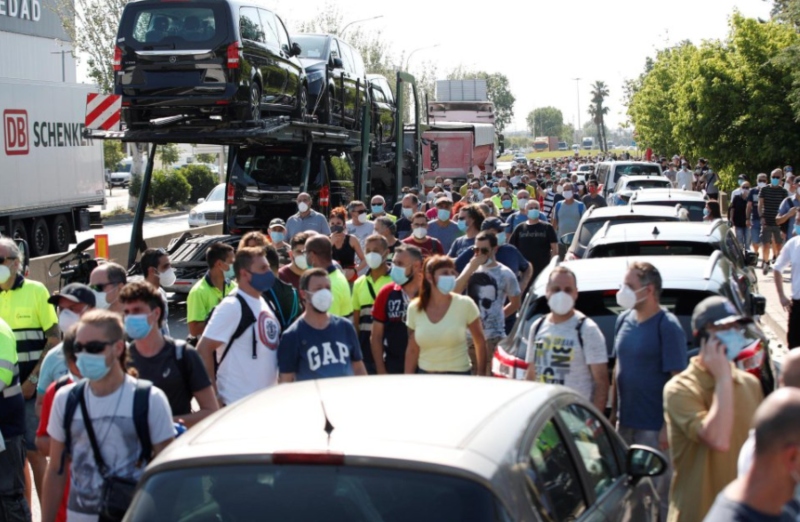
362, 232
445, 234
562, 360
568, 216
489, 288
727, 510
314, 221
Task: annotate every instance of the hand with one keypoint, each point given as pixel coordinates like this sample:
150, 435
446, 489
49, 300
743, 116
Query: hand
713, 356
28, 390
793, 211
612, 419
786, 303
663, 440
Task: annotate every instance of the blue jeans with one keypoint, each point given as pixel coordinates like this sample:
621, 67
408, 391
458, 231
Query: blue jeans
755, 231
743, 236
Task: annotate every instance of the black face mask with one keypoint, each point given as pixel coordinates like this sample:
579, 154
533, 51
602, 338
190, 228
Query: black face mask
336, 229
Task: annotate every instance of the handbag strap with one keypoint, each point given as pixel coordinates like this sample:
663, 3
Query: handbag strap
87, 421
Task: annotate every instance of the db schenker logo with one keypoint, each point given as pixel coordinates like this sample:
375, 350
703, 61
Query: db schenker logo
15, 131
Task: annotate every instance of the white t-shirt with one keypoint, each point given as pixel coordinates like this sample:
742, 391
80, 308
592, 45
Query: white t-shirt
562, 360
112, 421
684, 179
790, 255
239, 374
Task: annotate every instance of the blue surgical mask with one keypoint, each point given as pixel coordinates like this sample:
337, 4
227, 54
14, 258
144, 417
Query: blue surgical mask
446, 283
136, 326
797, 230
408, 212
706, 212
533, 214
398, 275
262, 282
495, 190
92, 365
462, 225
507, 204
501, 238
775, 182
443, 214
734, 340
230, 273
377, 209
741, 181
277, 237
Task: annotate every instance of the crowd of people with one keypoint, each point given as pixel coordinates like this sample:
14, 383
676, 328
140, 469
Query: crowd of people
93, 385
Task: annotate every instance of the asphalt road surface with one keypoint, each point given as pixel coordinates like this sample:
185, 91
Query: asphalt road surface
152, 227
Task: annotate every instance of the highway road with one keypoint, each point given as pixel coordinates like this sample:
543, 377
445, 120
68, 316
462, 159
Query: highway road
156, 226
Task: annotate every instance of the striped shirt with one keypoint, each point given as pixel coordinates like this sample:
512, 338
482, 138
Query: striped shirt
773, 197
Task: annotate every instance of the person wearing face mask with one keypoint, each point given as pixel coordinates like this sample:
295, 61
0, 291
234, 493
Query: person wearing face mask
506, 209
470, 219
365, 291
711, 212
38, 333
173, 366
106, 281
438, 321
388, 229
761, 494
410, 206
158, 271
504, 187
787, 213
650, 345
389, 338
443, 228
593, 198
291, 274
419, 236
239, 343
566, 216
790, 257
752, 212
378, 207
306, 219
738, 215
108, 395
359, 225
517, 218
277, 235
769, 204
566, 347
318, 252
536, 240
494, 289
346, 247
708, 409
212, 288
72, 302
319, 344
684, 178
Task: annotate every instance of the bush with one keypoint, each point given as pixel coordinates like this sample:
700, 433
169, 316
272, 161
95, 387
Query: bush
169, 189
201, 180
135, 186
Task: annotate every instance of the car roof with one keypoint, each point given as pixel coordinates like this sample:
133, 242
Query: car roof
693, 231
451, 421
639, 210
642, 177
665, 194
630, 162
677, 272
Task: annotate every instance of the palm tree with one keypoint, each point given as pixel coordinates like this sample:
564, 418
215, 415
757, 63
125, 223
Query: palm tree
599, 94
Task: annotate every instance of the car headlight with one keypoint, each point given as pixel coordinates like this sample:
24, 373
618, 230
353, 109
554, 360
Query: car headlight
315, 76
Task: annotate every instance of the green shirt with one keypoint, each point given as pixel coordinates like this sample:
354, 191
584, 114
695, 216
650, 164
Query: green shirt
390, 216
203, 297
342, 298
363, 298
8, 355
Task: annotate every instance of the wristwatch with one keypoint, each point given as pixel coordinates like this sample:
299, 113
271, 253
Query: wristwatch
33, 378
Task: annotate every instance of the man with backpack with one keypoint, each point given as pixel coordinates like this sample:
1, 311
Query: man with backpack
566, 347
566, 216
650, 347
170, 364
105, 427
212, 288
240, 342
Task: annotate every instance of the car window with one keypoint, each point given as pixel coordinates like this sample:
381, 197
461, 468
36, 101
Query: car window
594, 447
311, 46
275, 172
304, 492
552, 479
178, 26
271, 31
250, 25
358, 62
335, 51
387, 90
377, 92
283, 36
589, 228
733, 249
602, 172
347, 57
695, 208
635, 170
651, 248
217, 194
648, 183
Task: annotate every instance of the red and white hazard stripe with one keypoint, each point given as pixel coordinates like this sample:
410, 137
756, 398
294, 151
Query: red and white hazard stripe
103, 111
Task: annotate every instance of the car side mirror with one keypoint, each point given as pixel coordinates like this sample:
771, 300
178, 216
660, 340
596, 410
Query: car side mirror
201, 200
337, 62
750, 258
759, 304
566, 239
642, 461
296, 49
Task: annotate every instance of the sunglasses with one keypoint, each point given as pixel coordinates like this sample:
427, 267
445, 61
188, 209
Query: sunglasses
4, 259
360, 211
94, 347
481, 250
100, 287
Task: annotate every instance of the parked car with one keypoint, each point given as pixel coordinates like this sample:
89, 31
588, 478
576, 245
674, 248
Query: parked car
336, 78
503, 451
384, 108
121, 177
562, 145
224, 58
595, 218
627, 185
187, 254
608, 172
681, 239
521, 160
210, 209
687, 280
584, 169
693, 202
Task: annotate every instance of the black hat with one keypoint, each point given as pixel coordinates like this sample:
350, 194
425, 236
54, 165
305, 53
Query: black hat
493, 223
75, 292
716, 311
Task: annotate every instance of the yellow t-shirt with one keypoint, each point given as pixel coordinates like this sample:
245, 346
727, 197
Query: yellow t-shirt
443, 345
342, 297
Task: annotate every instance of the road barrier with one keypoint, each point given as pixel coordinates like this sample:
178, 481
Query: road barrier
39, 266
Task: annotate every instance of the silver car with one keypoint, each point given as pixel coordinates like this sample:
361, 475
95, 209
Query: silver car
398, 449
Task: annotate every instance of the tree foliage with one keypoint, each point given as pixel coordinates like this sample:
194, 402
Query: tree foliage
205, 157
545, 121
168, 154
169, 188
200, 178
497, 89
724, 100
598, 111
112, 153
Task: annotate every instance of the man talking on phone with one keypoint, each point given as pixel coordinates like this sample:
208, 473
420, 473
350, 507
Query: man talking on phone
708, 409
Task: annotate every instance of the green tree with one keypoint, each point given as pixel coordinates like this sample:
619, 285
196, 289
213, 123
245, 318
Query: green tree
545, 121
206, 158
598, 111
112, 154
497, 89
168, 154
169, 188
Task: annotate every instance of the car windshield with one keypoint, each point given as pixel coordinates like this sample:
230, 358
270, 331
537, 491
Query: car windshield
173, 26
648, 183
635, 170
123, 167
651, 248
590, 227
298, 492
218, 194
275, 173
314, 47
695, 208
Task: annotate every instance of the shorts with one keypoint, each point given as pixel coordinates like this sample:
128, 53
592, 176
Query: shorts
771, 234
31, 424
755, 231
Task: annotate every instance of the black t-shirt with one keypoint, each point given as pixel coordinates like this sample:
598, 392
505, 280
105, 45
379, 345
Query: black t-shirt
165, 372
727, 510
739, 206
403, 228
389, 309
533, 242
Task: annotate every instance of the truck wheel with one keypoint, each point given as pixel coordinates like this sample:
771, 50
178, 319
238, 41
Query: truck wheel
18, 230
300, 111
40, 238
60, 234
326, 107
253, 110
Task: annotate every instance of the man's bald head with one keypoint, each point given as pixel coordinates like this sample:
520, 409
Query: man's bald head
777, 421
790, 372
320, 246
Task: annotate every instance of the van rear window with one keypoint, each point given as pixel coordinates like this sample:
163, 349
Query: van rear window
174, 26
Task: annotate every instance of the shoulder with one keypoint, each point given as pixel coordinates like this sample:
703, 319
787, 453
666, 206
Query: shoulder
671, 319
198, 287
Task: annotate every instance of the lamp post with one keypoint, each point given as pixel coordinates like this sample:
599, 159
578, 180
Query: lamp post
341, 34
578, 93
418, 49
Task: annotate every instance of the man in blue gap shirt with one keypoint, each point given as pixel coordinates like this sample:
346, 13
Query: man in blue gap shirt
318, 345
650, 347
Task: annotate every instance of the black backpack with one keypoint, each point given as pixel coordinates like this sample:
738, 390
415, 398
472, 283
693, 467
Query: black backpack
246, 320
538, 324
141, 407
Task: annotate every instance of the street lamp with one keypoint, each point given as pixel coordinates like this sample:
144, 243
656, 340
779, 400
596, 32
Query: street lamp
418, 49
341, 34
578, 93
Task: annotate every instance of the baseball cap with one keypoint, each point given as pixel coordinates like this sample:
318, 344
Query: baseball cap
493, 223
788, 168
75, 292
716, 311
277, 222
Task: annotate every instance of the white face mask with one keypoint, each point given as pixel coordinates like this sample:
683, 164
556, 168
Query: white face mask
626, 297
420, 233
359, 219
100, 300
560, 189
561, 303
567, 194
302, 206
66, 319
5, 274
167, 277
322, 300
374, 260
301, 262
762, 184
